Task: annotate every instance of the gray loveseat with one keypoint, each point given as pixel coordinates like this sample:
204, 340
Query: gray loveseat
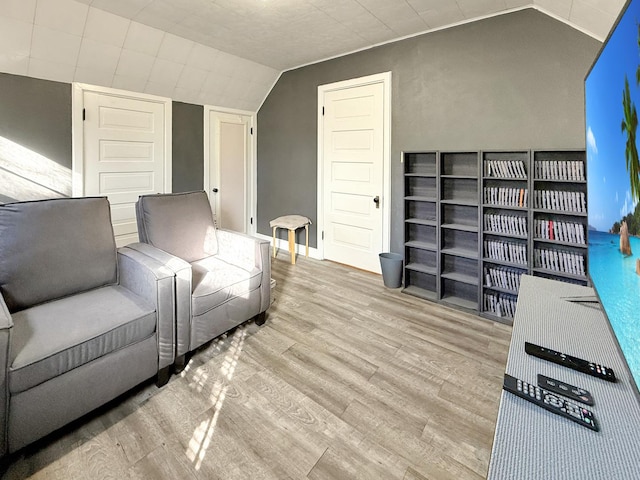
80, 323
222, 278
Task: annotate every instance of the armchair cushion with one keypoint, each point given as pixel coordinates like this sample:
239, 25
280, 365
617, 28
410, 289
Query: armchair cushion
216, 281
179, 223
56, 337
59, 260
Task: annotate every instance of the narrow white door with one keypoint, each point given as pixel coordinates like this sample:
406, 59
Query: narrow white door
124, 155
229, 147
353, 151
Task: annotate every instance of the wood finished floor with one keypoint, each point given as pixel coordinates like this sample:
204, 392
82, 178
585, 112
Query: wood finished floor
346, 380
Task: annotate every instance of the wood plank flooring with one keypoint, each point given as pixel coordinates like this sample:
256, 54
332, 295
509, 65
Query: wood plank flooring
346, 380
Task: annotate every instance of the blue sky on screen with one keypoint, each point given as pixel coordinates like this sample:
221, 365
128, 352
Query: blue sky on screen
608, 181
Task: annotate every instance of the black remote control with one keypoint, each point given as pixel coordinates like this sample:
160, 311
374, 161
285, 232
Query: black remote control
576, 363
550, 401
556, 386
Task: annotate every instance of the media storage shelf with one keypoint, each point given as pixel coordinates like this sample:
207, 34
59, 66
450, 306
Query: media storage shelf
460, 277
460, 252
556, 273
421, 293
421, 245
464, 202
567, 213
461, 302
549, 180
460, 226
458, 204
504, 207
558, 242
504, 263
420, 267
421, 185
505, 235
418, 198
425, 175
421, 221
559, 216
506, 232
502, 290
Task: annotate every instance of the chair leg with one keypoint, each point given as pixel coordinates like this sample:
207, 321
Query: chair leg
292, 246
274, 242
179, 363
163, 376
260, 319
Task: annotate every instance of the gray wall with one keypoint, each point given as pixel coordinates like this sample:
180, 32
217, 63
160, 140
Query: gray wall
513, 81
36, 115
188, 147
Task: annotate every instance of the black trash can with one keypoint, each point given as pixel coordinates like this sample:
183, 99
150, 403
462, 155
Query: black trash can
391, 264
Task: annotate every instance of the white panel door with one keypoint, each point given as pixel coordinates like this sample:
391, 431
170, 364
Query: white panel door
124, 155
229, 148
353, 151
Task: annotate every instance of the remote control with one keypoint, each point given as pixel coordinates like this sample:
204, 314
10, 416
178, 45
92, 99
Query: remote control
556, 386
576, 363
550, 401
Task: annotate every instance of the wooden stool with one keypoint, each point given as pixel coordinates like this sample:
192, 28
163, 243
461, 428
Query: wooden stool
291, 223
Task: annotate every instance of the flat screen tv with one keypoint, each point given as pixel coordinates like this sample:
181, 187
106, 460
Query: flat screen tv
612, 103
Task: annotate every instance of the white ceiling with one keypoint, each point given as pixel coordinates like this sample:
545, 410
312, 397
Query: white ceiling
229, 53
283, 34
68, 41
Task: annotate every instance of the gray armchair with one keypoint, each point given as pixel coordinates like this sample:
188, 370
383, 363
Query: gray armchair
222, 278
80, 322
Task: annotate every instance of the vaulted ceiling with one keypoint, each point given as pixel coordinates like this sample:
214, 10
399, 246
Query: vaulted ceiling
229, 53
287, 33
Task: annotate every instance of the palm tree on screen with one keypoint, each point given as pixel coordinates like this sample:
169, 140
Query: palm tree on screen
629, 126
638, 70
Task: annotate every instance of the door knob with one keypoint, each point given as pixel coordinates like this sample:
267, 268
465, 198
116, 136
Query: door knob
215, 190
376, 200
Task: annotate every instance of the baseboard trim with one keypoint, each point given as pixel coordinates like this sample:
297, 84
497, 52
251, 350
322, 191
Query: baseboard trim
284, 245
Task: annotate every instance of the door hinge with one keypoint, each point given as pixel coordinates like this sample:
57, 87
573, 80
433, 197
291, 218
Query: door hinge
323, 235
251, 131
84, 114
251, 220
323, 111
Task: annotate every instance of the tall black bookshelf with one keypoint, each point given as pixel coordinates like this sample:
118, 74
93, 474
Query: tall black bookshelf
559, 215
505, 230
421, 224
459, 232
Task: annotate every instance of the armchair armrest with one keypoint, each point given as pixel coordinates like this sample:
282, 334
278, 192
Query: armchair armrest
5, 317
248, 252
6, 322
182, 272
152, 281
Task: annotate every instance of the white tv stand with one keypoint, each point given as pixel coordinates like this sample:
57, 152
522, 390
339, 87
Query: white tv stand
532, 443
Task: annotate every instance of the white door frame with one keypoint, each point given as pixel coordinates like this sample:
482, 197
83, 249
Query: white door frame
252, 164
77, 132
385, 79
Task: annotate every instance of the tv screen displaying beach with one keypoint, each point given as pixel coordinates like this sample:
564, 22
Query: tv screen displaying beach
612, 93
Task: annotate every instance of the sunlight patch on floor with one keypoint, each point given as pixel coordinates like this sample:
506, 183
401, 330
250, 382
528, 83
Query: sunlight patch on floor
198, 379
